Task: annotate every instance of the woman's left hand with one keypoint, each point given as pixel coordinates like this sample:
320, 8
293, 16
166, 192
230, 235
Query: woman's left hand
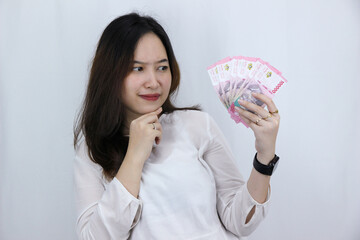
265, 125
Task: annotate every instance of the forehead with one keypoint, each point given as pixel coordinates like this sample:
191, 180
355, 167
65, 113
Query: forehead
149, 48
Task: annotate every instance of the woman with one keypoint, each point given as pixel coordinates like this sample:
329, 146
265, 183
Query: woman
149, 170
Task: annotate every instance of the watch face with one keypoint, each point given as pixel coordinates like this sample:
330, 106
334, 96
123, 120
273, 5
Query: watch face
274, 163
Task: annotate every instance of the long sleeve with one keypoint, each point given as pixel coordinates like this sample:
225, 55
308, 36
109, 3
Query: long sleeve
106, 210
234, 201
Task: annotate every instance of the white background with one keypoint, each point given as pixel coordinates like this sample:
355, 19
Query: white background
45, 53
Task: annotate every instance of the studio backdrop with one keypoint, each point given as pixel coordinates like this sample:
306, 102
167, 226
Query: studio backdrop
46, 48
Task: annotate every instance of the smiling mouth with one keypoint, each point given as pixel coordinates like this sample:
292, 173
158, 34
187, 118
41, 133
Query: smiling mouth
150, 97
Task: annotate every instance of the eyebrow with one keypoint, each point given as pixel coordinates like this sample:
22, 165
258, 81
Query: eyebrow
161, 61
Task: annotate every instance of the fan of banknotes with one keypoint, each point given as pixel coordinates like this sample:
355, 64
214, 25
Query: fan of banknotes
235, 78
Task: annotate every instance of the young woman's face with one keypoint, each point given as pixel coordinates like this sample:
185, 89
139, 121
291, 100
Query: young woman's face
147, 86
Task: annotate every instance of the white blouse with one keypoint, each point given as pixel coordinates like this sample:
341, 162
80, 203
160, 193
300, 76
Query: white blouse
190, 189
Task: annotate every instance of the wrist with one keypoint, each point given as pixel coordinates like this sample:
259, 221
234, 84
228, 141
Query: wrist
135, 157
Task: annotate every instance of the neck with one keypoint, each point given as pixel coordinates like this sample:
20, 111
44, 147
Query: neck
130, 116
125, 130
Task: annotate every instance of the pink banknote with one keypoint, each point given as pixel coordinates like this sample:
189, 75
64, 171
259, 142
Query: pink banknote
235, 78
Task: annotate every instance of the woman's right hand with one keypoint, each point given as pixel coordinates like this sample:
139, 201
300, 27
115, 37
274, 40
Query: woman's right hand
143, 134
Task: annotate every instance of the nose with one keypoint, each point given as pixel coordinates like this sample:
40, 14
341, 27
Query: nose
152, 81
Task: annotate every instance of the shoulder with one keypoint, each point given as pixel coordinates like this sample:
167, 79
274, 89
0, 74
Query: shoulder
192, 116
193, 122
81, 150
83, 160
199, 119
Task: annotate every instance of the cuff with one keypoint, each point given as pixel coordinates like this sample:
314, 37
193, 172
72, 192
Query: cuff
253, 201
134, 203
261, 209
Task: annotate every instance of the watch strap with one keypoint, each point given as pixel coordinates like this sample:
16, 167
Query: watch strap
265, 169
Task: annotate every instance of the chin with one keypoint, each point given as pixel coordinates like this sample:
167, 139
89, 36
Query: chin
149, 109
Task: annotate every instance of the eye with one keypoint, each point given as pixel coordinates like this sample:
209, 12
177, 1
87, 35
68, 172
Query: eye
163, 68
138, 69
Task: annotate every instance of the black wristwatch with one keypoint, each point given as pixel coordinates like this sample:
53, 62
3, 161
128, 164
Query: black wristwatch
266, 169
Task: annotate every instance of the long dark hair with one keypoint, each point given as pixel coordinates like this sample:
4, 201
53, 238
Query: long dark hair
102, 115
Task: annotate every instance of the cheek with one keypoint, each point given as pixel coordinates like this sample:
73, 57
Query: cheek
130, 85
127, 90
123, 90
167, 83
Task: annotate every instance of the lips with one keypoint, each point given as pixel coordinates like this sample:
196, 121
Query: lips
150, 97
